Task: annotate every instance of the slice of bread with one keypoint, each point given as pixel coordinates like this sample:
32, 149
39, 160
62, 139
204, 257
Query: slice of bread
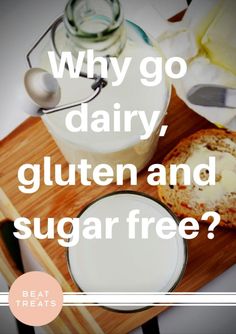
194, 200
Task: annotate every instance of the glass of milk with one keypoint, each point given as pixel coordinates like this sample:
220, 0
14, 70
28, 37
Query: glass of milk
121, 264
99, 25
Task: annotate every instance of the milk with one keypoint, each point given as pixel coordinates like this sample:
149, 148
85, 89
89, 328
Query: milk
112, 147
121, 264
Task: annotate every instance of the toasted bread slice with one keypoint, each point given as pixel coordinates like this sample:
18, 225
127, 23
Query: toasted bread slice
194, 200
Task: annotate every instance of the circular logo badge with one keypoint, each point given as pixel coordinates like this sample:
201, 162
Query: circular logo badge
35, 298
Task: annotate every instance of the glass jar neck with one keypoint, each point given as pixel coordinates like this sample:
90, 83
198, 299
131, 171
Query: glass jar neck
97, 25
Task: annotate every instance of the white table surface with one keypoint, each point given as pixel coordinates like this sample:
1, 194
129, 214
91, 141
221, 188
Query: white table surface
202, 319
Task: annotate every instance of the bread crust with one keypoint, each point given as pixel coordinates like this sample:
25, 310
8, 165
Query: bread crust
179, 197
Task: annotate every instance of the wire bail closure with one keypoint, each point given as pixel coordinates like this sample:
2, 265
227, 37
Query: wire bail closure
97, 86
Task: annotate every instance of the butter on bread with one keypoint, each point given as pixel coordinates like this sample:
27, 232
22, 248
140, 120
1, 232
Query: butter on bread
194, 200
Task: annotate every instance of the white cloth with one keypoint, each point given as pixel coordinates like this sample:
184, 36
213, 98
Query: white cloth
183, 40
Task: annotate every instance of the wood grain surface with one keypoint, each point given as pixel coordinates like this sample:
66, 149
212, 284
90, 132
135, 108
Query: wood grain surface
31, 142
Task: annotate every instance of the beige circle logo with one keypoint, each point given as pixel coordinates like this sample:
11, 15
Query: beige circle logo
35, 298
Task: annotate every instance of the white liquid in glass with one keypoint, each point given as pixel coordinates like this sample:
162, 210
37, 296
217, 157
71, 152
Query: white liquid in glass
113, 147
121, 264
131, 94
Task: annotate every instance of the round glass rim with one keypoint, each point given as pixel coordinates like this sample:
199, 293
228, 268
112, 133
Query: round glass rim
185, 247
117, 20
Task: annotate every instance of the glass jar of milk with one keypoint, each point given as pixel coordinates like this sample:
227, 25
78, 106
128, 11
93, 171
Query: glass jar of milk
99, 25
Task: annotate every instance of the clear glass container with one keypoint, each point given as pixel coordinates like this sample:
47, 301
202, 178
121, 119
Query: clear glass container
99, 25
122, 264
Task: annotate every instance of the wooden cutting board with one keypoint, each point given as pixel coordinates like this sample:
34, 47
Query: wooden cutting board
31, 142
